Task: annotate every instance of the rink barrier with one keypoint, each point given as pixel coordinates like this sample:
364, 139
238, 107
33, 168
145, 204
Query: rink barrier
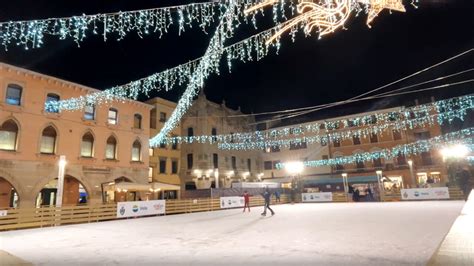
23, 218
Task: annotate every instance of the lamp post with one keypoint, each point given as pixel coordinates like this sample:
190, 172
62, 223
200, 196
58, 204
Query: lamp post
294, 169
216, 177
412, 174
379, 177
59, 193
346, 185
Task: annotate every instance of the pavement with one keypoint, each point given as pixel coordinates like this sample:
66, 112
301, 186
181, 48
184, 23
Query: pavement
8, 259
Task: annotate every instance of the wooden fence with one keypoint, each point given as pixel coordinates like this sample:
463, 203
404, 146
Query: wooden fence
51, 216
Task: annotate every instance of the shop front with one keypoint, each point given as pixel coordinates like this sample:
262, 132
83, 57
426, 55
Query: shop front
125, 191
165, 191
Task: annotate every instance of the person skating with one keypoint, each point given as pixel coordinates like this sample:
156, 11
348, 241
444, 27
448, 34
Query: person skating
277, 196
246, 200
267, 195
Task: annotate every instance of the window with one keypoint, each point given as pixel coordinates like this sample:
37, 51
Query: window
234, 163
336, 143
325, 157
249, 164
162, 165
267, 165
151, 152
137, 151
137, 121
190, 132
190, 161
275, 148
426, 158
89, 112
231, 137
48, 141
397, 135
162, 117
87, 145
174, 166
153, 119
339, 167
377, 162
215, 160
52, 98
374, 138
214, 134
360, 165
298, 146
150, 174
8, 136
174, 145
401, 159
13, 96
112, 118
356, 140
162, 145
111, 148
422, 135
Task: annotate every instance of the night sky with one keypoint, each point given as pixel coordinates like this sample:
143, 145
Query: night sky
306, 73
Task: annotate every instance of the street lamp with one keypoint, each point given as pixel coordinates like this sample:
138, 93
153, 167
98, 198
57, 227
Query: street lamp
294, 168
379, 177
59, 193
346, 185
216, 177
412, 174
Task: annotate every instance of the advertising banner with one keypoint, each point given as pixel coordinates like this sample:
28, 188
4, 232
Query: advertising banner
317, 197
232, 202
140, 208
425, 193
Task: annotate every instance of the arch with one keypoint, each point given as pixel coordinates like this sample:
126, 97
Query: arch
123, 179
46, 191
111, 147
9, 196
9, 135
358, 151
49, 140
87, 144
137, 121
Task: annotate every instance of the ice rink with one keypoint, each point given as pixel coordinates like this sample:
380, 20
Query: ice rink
402, 233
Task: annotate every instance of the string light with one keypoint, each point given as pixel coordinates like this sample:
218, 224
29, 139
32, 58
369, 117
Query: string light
31, 33
465, 136
438, 112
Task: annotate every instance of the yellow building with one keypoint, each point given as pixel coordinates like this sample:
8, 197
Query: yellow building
104, 145
164, 168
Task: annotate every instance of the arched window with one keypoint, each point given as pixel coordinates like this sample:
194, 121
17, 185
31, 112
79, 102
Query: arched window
8, 135
13, 96
137, 121
87, 145
52, 98
137, 151
48, 141
111, 148
113, 116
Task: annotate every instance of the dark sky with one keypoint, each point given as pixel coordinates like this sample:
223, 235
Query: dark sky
307, 72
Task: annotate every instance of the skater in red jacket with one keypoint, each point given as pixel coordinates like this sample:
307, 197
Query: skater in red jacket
246, 200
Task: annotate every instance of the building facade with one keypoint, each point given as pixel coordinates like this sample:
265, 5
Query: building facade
204, 165
103, 145
165, 160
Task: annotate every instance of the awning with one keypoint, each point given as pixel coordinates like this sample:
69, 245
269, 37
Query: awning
128, 186
164, 186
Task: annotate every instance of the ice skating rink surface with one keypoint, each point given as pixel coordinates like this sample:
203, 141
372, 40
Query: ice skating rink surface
392, 233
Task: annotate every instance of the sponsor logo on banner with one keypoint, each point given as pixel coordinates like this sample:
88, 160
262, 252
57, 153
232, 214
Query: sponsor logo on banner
232, 202
317, 197
3, 213
140, 208
425, 193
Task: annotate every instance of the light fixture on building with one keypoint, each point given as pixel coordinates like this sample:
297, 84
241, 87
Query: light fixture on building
456, 151
294, 168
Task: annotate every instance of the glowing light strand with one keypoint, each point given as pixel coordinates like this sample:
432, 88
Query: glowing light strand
465, 136
438, 112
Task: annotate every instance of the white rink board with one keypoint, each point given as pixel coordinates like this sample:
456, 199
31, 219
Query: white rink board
140, 208
232, 202
425, 193
317, 197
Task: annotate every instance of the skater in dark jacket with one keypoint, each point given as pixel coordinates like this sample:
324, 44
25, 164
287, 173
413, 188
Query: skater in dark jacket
267, 195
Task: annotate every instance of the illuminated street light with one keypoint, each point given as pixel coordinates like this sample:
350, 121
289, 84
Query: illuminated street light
379, 177
294, 168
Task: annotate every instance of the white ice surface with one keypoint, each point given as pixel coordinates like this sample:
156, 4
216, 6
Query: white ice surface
402, 233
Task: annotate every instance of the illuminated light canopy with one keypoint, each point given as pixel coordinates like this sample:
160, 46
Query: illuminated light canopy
462, 137
376, 6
